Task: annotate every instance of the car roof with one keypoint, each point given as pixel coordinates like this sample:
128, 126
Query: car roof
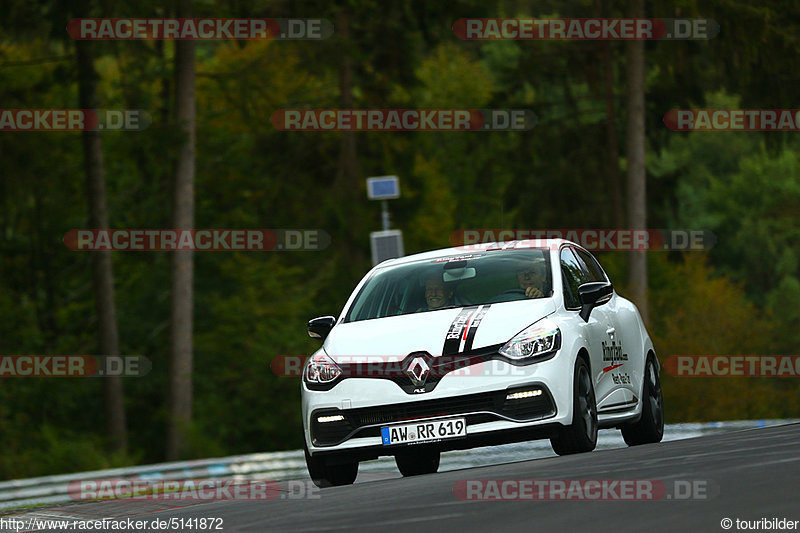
553, 244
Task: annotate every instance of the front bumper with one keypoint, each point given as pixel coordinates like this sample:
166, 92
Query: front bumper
491, 418
476, 408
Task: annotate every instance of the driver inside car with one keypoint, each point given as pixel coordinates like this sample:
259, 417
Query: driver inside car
437, 295
531, 279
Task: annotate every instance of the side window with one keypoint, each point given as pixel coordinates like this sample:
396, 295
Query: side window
574, 276
592, 266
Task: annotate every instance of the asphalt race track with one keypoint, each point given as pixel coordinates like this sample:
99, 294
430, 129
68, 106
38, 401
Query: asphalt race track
746, 475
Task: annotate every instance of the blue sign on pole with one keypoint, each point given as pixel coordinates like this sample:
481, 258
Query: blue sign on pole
383, 188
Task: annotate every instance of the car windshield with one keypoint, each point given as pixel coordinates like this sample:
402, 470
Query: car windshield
454, 281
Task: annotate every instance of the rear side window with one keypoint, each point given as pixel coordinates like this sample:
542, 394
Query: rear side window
592, 267
574, 276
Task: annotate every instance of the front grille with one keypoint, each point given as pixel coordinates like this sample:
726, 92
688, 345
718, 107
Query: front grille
424, 409
331, 433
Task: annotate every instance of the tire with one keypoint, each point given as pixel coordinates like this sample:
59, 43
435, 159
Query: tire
417, 462
650, 427
324, 474
581, 435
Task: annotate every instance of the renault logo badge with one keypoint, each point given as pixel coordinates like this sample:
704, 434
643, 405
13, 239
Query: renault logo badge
418, 370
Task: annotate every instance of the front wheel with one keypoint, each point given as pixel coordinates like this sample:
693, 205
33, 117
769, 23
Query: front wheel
325, 474
581, 435
650, 427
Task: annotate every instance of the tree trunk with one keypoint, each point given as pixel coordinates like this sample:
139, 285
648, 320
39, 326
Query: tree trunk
182, 272
102, 274
611, 134
347, 179
637, 185
348, 186
348, 159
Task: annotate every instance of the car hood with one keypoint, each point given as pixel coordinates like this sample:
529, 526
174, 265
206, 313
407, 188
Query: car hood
401, 335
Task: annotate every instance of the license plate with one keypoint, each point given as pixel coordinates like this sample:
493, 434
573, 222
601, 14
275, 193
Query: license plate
424, 430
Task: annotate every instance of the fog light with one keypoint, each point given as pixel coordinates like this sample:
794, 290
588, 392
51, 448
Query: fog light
524, 394
331, 418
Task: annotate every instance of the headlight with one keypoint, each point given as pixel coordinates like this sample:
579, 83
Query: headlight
321, 369
537, 341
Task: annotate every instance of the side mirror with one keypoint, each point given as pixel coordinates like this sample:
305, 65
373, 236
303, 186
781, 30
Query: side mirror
318, 328
593, 294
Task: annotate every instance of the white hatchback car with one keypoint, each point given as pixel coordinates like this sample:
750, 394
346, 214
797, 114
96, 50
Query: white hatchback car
456, 348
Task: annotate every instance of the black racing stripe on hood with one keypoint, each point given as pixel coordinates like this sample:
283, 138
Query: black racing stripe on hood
473, 327
453, 338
